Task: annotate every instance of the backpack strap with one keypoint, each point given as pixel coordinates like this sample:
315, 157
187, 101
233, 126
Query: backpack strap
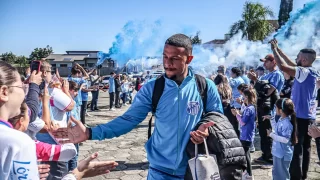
203, 89
158, 90
157, 93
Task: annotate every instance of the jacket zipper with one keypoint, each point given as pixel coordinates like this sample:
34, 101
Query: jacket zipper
174, 172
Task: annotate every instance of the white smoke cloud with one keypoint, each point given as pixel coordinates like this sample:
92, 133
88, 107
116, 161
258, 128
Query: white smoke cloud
139, 40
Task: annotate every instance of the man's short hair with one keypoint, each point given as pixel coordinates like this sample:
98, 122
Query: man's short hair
112, 73
310, 54
236, 71
45, 65
180, 40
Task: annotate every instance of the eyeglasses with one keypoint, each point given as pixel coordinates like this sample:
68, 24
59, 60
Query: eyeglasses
23, 87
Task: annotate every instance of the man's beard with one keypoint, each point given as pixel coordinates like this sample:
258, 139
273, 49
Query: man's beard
299, 63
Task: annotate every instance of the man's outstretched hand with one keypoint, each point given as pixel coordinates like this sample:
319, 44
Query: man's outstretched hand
72, 134
202, 132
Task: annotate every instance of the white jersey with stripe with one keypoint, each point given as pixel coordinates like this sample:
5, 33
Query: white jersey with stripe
18, 155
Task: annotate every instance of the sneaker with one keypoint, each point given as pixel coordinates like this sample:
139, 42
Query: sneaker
246, 176
112, 109
87, 114
260, 160
125, 104
97, 109
252, 149
266, 166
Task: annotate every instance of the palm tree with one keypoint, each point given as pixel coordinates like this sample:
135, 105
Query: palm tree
254, 23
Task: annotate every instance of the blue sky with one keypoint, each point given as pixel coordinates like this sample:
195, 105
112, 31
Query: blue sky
92, 25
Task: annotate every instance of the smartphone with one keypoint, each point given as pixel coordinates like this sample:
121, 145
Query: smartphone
35, 66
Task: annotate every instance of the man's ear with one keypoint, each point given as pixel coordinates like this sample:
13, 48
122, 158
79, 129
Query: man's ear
189, 59
44, 73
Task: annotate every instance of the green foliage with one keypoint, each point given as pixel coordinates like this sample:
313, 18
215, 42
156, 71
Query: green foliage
254, 23
39, 53
8, 57
196, 39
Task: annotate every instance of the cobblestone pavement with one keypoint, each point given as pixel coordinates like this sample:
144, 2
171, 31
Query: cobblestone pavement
128, 150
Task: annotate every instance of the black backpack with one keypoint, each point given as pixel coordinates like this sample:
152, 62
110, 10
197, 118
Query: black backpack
158, 90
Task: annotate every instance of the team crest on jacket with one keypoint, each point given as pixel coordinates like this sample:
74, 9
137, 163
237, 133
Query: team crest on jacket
193, 107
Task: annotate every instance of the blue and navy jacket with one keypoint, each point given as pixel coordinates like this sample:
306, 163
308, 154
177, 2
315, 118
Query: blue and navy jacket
178, 112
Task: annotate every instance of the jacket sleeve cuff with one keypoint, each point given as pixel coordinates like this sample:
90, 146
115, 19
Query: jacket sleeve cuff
101, 132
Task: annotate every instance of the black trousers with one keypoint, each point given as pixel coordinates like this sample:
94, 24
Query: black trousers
246, 146
265, 140
57, 170
301, 154
232, 119
83, 111
94, 102
111, 98
117, 102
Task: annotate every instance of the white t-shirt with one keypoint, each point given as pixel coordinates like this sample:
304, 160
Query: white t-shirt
59, 101
34, 128
301, 74
18, 155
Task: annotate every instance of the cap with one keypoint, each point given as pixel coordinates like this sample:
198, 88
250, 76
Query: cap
269, 57
260, 68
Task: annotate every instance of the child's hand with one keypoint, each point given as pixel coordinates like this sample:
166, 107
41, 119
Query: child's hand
266, 117
239, 100
46, 96
235, 111
269, 132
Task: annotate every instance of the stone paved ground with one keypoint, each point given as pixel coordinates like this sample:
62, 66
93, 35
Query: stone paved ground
128, 150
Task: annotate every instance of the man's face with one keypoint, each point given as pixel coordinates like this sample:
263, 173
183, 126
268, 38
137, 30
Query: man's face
47, 75
300, 59
175, 61
269, 64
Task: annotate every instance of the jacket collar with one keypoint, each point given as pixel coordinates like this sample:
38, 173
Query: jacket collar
189, 77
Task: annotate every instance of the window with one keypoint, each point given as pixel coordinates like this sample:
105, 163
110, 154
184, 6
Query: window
63, 65
91, 64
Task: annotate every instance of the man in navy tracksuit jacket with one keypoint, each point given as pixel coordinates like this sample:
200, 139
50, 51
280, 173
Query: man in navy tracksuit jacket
178, 112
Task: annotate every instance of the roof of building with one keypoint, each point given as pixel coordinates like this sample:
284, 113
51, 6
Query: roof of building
66, 57
68, 52
217, 41
274, 23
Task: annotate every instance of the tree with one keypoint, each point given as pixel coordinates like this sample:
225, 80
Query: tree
254, 23
196, 39
8, 57
284, 12
22, 61
39, 53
